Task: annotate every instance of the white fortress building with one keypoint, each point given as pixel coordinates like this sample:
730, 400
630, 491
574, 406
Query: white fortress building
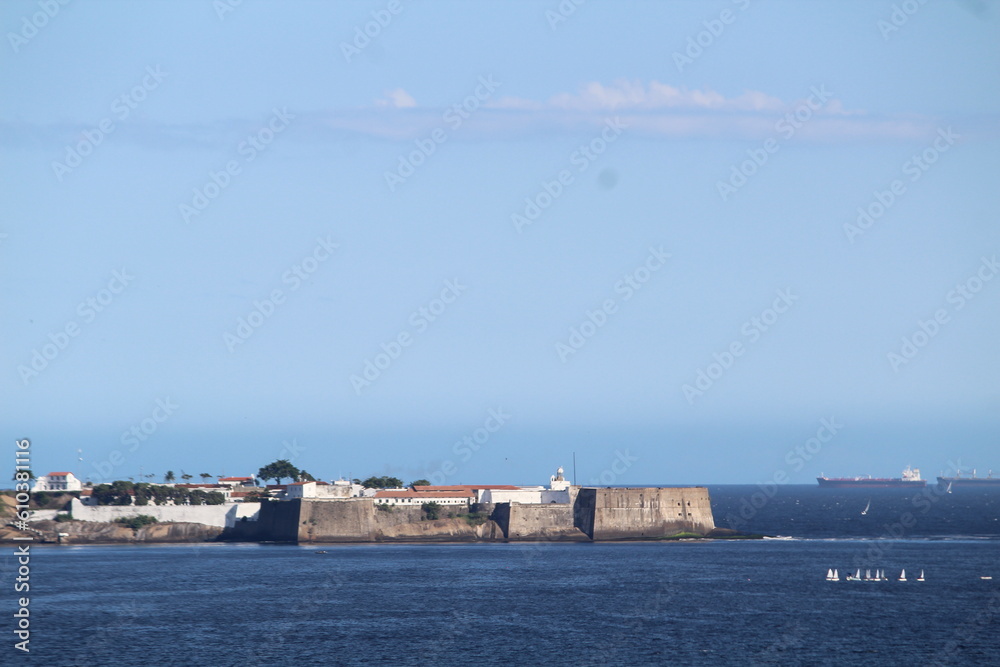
58, 481
558, 492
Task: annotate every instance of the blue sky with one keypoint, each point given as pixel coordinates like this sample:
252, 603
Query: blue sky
697, 168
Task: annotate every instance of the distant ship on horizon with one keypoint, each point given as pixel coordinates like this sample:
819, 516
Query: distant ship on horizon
910, 479
958, 480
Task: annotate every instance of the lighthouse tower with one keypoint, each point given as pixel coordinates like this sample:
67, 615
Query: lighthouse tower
557, 482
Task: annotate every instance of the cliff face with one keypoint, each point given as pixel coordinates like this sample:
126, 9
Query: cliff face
88, 532
357, 520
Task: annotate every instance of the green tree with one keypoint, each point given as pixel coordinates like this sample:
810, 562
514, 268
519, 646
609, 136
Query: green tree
278, 470
169, 477
420, 482
23, 476
432, 510
136, 522
382, 483
204, 476
306, 477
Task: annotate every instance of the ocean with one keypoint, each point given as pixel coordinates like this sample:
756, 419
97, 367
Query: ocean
739, 602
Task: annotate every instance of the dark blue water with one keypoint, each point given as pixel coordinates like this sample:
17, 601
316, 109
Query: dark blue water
709, 602
815, 512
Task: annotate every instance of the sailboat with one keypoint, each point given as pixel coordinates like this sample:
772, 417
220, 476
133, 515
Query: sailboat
921, 577
836, 576
868, 575
829, 574
949, 487
857, 575
902, 575
865, 510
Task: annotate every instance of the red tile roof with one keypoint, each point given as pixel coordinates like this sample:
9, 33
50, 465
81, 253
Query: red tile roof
464, 493
59, 474
465, 487
234, 479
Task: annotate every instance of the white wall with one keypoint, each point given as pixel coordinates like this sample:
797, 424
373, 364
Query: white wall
526, 496
225, 515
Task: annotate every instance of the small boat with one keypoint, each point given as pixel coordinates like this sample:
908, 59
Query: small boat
857, 575
867, 507
949, 487
902, 575
868, 575
836, 576
986, 578
921, 577
319, 552
829, 574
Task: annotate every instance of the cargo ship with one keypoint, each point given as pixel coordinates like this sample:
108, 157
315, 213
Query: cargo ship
958, 480
910, 479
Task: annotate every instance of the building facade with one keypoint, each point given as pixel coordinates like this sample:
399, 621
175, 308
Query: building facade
58, 481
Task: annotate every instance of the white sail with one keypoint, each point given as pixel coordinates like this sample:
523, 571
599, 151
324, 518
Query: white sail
836, 576
921, 577
829, 574
902, 575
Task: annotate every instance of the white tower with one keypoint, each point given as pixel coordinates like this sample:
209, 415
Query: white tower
557, 482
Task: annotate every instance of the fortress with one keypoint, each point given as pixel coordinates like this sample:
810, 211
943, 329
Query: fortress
591, 514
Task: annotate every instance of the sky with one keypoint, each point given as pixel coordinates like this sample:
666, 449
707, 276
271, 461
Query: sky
677, 242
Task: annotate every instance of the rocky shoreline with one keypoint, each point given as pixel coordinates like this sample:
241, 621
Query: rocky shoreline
438, 531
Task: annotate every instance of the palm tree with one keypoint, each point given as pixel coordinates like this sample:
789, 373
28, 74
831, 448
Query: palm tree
186, 477
169, 477
204, 476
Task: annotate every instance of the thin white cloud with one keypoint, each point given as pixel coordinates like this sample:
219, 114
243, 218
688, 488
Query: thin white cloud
652, 110
634, 95
397, 99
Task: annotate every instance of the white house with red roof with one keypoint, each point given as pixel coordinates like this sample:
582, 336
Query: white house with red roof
413, 497
58, 481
